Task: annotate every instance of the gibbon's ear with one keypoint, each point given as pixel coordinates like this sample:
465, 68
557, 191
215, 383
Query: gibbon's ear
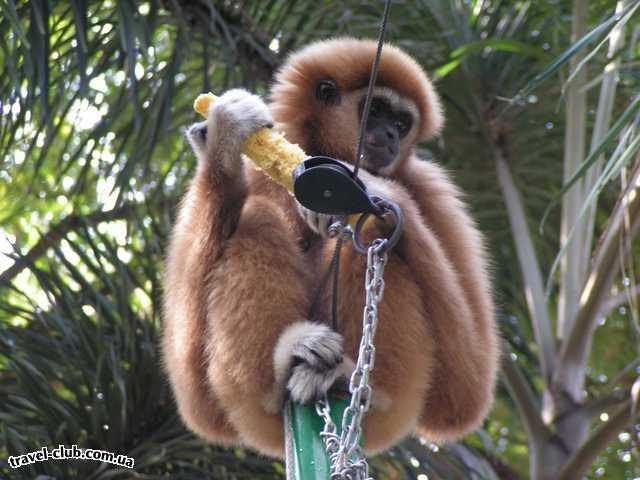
318, 74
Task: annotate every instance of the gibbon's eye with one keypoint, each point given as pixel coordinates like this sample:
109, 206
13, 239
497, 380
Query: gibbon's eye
327, 92
376, 108
403, 124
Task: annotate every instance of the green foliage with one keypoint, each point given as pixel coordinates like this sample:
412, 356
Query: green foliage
86, 371
94, 97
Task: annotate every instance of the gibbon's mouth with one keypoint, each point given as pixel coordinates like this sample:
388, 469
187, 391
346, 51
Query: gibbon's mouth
379, 157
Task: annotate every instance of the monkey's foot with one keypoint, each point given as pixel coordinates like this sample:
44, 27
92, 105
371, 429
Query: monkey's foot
309, 359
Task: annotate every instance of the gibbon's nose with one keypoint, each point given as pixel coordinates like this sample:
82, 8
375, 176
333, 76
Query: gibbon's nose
382, 137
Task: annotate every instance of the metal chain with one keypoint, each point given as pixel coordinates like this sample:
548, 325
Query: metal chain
346, 459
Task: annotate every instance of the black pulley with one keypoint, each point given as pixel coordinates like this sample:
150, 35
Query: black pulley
326, 185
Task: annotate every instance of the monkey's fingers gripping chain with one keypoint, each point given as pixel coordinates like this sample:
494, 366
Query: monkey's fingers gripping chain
268, 149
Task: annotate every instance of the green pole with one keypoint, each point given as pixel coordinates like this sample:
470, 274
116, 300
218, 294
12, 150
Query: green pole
306, 457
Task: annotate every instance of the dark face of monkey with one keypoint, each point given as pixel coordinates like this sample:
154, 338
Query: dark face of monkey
384, 130
319, 92
389, 133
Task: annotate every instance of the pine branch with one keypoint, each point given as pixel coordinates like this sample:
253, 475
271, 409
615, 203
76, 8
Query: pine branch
525, 400
58, 232
584, 457
606, 100
235, 29
622, 298
529, 266
574, 154
606, 265
597, 405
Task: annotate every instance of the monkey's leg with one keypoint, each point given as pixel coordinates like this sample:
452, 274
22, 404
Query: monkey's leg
258, 343
404, 350
233, 323
207, 215
185, 316
432, 317
468, 357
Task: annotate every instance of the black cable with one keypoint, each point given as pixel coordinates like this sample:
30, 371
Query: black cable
335, 261
334, 293
372, 81
324, 281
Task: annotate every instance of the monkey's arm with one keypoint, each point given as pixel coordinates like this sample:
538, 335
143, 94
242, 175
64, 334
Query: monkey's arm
185, 317
207, 216
444, 251
468, 346
234, 338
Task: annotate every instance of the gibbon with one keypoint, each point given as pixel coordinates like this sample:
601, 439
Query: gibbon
245, 262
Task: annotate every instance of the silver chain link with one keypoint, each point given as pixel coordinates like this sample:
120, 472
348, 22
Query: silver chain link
346, 458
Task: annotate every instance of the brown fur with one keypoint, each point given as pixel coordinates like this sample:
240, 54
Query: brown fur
228, 297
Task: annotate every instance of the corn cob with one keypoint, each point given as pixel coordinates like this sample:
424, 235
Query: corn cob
268, 149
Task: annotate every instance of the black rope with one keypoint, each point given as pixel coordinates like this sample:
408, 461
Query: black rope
335, 264
335, 261
372, 81
325, 279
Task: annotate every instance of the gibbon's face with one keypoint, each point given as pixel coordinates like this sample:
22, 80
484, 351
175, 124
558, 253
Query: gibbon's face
390, 132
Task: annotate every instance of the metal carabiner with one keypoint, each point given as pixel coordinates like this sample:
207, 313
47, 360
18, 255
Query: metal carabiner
385, 206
